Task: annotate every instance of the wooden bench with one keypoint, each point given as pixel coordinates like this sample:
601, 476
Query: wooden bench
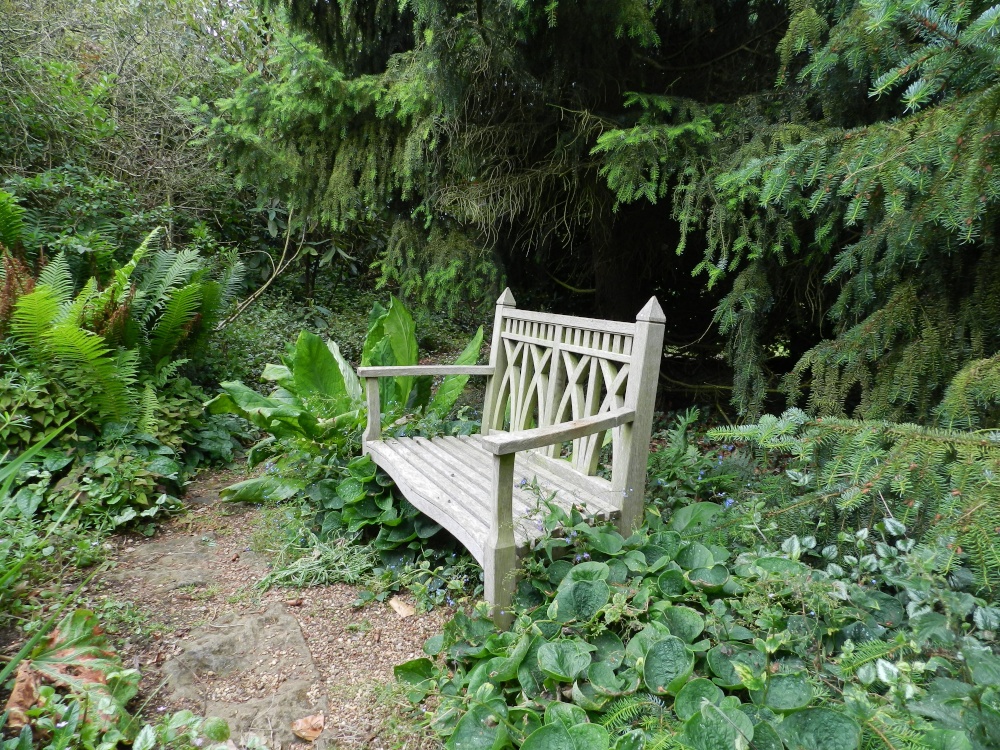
552, 379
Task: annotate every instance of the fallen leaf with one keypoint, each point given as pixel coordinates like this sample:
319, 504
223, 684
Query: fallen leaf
308, 727
23, 696
402, 608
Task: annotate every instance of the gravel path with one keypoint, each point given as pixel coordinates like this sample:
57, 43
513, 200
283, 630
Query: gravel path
185, 610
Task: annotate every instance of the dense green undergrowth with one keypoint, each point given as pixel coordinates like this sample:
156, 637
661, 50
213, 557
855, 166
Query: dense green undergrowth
709, 629
110, 354
312, 418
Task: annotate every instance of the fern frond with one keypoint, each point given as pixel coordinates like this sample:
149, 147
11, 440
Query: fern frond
170, 270
182, 306
147, 422
82, 358
231, 280
665, 741
57, 276
11, 220
34, 314
870, 651
167, 370
627, 712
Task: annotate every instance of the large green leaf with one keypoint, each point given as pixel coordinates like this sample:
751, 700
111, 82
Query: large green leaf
718, 729
559, 737
351, 382
683, 622
819, 729
784, 692
579, 600
482, 727
314, 369
694, 518
564, 661
453, 385
267, 488
77, 658
376, 332
689, 699
279, 374
280, 418
667, 666
389, 393
723, 658
401, 333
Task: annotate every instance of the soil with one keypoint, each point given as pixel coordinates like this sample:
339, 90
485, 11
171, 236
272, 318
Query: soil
190, 616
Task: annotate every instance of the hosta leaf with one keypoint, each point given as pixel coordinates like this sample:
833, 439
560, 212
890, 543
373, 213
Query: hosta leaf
668, 664
580, 600
784, 692
481, 728
819, 729
564, 661
718, 729
689, 699
694, 556
683, 622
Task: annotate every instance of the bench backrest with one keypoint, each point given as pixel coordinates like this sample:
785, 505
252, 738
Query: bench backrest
551, 369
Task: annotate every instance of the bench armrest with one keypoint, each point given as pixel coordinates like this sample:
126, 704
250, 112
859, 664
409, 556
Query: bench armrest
407, 370
371, 375
502, 444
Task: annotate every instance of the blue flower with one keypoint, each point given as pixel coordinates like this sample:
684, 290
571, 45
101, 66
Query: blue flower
729, 502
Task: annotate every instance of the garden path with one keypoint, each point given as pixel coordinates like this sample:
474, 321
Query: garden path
184, 608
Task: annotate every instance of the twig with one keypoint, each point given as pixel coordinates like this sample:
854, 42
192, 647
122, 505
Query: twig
283, 264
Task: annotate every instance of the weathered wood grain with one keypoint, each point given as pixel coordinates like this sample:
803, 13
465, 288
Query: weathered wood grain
556, 386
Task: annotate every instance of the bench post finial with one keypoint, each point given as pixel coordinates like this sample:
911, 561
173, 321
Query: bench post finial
498, 361
628, 479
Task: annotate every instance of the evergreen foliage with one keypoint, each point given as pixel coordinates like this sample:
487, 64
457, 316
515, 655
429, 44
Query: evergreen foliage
848, 475
971, 399
468, 128
874, 222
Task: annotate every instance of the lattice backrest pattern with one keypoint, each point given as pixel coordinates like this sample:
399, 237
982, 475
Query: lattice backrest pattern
554, 369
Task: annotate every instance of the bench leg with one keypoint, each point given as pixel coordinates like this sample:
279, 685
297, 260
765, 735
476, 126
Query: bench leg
500, 554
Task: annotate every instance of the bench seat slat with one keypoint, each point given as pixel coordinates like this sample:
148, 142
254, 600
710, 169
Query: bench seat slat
557, 475
435, 466
458, 514
449, 479
464, 459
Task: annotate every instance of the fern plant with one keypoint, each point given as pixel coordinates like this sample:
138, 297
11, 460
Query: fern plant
112, 349
47, 325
